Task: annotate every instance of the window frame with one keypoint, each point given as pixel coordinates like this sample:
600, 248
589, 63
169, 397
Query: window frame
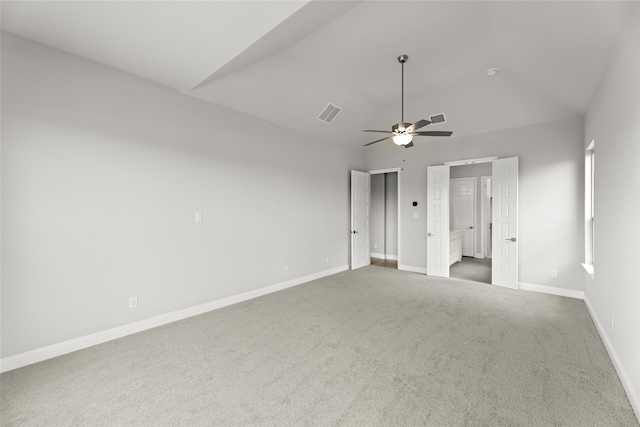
589, 205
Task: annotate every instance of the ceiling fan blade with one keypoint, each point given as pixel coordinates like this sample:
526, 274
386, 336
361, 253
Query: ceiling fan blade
434, 133
377, 141
409, 145
418, 125
382, 131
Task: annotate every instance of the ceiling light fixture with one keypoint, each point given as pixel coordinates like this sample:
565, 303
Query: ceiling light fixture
492, 71
402, 133
402, 139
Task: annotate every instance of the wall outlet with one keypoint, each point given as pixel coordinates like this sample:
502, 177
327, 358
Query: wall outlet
327, 259
375, 246
133, 302
554, 273
198, 216
286, 269
612, 323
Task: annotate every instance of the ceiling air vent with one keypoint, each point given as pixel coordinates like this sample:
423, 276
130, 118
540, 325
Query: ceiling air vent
438, 118
329, 113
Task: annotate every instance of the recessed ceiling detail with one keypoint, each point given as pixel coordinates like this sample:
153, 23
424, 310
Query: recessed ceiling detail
329, 113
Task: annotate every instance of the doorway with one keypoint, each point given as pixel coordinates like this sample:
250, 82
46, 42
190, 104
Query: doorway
385, 191
443, 243
467, 214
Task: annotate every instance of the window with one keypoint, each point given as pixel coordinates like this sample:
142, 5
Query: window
589, 208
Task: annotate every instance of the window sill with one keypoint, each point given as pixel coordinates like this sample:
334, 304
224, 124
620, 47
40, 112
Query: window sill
589, 268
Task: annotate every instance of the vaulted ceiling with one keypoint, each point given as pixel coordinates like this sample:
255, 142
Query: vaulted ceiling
284, 61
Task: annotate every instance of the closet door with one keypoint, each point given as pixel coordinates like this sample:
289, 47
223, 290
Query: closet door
438, 221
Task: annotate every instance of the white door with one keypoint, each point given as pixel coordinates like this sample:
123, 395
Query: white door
463, 205
360, 221
485, 198
504, 264
438, 221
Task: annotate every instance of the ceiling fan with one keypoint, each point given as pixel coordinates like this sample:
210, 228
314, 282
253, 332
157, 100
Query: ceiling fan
403, 133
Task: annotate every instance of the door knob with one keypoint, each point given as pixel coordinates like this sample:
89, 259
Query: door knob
354, 232
513, 239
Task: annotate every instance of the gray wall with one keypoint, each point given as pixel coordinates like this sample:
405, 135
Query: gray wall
102, 174
474, 171
550, 198
613, 122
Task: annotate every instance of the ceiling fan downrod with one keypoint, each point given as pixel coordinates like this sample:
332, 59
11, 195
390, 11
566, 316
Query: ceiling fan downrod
402, 59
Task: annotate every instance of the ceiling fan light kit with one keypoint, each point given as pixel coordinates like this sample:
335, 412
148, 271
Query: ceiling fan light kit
402, 139
402, 133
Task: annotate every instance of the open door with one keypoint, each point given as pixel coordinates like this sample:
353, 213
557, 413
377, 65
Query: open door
438, 221
360, 221
504, 264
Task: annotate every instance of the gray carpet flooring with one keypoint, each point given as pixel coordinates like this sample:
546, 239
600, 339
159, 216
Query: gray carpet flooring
474, 269
371, 347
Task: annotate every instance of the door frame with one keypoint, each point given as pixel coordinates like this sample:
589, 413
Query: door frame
485, 160
483, 218
399, 172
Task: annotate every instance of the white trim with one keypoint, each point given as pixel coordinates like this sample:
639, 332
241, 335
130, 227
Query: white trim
412, 269
552, 290
632, 394
384, 256
589, 268
483, 219
479, 255
59, 349
379, 171
471, 161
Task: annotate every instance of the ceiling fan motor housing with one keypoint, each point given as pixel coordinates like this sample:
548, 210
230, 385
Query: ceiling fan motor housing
400, 127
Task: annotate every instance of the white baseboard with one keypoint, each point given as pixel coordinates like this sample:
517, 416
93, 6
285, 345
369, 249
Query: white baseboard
551, 290
59, 349
412, 269
632, 394
384, 256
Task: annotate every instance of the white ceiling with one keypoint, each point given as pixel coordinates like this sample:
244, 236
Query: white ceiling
284, 61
